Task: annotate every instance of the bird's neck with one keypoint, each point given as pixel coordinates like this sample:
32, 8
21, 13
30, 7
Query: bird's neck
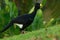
35, 10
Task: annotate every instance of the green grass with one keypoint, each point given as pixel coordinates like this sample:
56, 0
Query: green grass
50, 34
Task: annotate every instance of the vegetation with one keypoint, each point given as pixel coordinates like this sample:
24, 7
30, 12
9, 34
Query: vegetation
52, 33
45, 23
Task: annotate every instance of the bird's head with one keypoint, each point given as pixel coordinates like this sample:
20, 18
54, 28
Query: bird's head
37, 6
38, 3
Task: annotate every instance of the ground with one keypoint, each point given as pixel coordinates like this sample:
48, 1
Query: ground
52, 33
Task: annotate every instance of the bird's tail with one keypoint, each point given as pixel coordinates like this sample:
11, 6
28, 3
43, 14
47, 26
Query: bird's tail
6, 27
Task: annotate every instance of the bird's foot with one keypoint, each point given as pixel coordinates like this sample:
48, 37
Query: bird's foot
23, 32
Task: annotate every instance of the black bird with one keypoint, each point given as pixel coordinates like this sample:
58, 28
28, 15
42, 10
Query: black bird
25, 19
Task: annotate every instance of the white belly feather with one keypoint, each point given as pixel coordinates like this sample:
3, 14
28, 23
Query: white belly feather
20, 25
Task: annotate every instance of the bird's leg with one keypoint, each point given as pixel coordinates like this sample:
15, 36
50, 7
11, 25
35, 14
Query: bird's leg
22, 32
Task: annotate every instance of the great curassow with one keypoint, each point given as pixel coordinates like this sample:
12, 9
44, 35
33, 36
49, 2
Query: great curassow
25, 19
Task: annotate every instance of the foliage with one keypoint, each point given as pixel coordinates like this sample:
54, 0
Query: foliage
9, 11
52, 33
52, 9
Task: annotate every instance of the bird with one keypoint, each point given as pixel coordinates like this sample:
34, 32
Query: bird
23, 20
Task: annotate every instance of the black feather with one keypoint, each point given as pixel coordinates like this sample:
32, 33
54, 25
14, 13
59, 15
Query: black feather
25, 19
